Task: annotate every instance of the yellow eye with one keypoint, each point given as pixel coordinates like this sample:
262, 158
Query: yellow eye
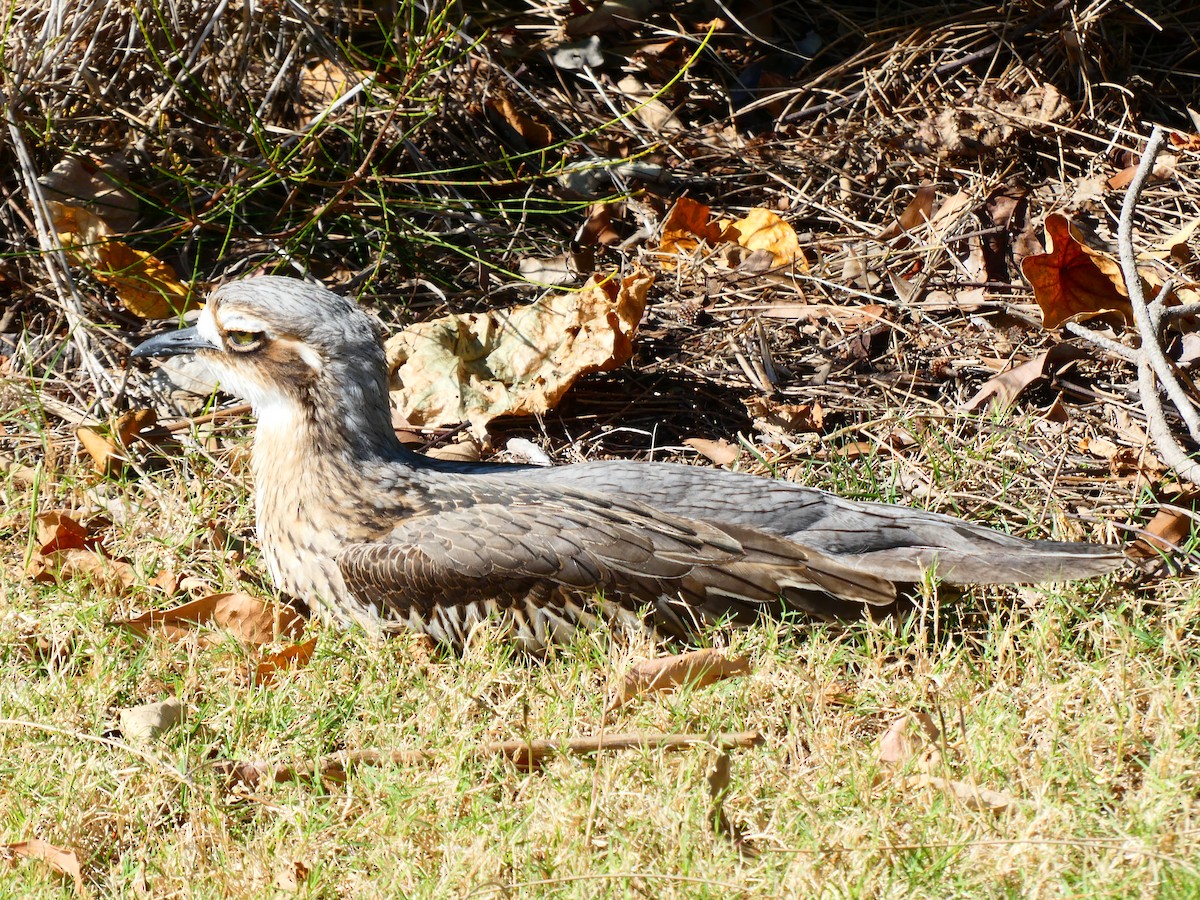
244, 339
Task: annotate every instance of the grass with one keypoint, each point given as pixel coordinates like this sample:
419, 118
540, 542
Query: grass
1076, 704
1079, 705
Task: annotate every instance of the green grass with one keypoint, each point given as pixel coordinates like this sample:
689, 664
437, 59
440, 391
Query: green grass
1081, 705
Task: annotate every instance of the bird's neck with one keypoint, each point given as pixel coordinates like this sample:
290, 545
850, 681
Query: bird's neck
316, 434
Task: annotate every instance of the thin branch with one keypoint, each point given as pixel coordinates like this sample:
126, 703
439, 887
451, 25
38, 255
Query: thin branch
1153, 366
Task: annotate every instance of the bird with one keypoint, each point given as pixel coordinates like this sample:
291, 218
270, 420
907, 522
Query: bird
370, 533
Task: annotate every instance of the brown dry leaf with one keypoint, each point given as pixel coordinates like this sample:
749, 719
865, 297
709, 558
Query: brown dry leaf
65, 862
719, 451
459, 451
59, 530
1185, 141
1004, 389
294, 656
906, 736
919, 210
598, 228
516, 361
96, 186
792, 418
110, 576
532, 133
108, 450
292, 876
699, 669
145, 285
1164, 170
249, 619
323, 83
651, 111
686, 225
973, 797
1073, 280
1168, 530
762, 229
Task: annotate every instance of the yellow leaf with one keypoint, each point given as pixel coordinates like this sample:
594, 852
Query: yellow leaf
145, 285
761, 229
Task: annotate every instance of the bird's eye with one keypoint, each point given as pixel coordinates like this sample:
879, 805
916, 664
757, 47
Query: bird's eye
244, 340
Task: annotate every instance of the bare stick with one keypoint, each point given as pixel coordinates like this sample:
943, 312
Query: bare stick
1151, 347
1153, 366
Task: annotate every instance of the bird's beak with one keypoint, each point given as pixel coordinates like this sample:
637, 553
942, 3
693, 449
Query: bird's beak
187, 340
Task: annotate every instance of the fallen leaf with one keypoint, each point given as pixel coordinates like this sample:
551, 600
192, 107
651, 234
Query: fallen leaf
698, 669
95, 186
919, 210
60, 530
906, 736
790, 418
598, 229
973, 797
650, 111
1070, 280
294, 656
140, 724
719, 451
292, 876
686, 225
1164, 170
249, 619
530, 133
762, 229
64, 862
1169, 530
1004, 389
516, 361
108, 451
145, 285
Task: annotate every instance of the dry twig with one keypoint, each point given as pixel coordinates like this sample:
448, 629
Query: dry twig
1154, 369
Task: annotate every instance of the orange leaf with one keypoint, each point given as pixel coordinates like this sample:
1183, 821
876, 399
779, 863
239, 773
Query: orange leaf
294, 656
1073, 280
535, 135
720, 451
761, 229
249, 619
686, 225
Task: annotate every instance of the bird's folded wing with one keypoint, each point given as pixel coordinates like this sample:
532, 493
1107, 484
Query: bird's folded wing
472, 551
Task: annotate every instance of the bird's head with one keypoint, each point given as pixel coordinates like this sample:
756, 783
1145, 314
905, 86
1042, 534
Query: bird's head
294, 350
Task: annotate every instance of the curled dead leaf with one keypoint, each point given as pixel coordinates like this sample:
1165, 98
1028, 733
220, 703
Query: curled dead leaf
972, 796
294, 656
762, 229
247, 618
145, 285
516, 361
1170, 529
528, 131
64, 862
1003, 390
1073, 280
699, 669
143, 723
906, 736
719, 451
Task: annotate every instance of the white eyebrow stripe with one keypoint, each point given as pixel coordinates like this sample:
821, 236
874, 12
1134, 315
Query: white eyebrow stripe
206, 327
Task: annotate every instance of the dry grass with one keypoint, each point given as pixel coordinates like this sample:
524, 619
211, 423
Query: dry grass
1078, 705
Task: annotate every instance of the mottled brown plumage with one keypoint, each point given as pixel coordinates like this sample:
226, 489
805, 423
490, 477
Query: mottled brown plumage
368, 532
